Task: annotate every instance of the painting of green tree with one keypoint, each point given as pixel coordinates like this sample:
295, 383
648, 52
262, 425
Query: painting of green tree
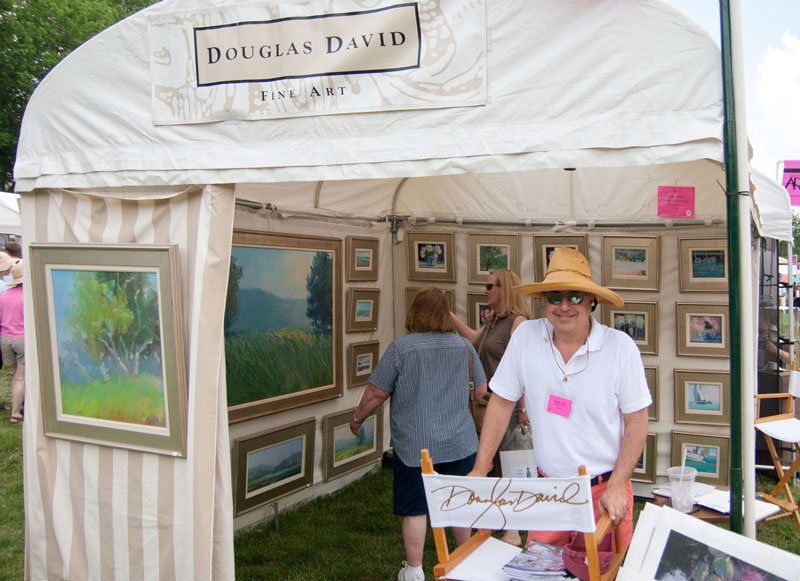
109, 346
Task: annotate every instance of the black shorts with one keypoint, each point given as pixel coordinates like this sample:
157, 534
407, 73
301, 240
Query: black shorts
409, 492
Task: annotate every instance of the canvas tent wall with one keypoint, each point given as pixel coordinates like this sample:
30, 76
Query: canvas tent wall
10, 222
625, 95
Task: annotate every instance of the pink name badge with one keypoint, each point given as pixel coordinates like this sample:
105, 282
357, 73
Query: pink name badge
675, 202
560, 406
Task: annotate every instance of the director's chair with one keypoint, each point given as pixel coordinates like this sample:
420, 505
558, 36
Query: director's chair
488, 504
784, 427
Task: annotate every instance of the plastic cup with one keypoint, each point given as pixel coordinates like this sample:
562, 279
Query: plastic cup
681, 486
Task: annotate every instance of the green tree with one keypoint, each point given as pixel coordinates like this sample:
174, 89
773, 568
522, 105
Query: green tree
34, 36
783, 249
115, 317
319, 304
231, 300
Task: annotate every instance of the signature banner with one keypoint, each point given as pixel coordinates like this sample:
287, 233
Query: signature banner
316, 58
791, 180
510, 503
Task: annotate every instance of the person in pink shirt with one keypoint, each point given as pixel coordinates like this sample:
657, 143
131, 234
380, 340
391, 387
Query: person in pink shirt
12, 339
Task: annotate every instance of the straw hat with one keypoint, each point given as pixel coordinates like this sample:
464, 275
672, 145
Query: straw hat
16, 275
6, 261
570, 271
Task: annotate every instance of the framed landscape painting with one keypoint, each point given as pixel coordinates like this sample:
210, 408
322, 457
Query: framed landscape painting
703, 264
362, 359
283, 322
272, 464
639, 320
703, 329
544, 245
707, 453
431, 256
702, 397
631, 262
363, 306
491, 252
645, 469
109, 333
477, 310
362, 258
344, 452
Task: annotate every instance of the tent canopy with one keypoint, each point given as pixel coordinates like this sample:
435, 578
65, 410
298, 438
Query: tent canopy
613, 85
10, 222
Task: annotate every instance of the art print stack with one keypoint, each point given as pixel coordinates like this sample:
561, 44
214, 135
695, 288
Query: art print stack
536, 561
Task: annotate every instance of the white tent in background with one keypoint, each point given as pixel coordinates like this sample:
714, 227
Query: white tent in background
10, 222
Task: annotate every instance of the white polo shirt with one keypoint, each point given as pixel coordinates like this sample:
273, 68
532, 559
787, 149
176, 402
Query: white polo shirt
578, 421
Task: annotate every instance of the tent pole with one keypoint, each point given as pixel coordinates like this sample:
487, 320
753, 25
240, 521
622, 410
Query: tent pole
738, 223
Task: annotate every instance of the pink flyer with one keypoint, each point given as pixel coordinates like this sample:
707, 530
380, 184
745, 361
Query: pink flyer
676, 201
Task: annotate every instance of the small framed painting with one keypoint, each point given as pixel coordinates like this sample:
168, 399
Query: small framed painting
411, 293
362, 258
272, 464
431, 256
631, 262
637, 319
544, 245
702, 397
344, 452
703, 264
645, 469
651, 374
703, 329
362, 359
362, 309
491, 252
706, 453
477, 310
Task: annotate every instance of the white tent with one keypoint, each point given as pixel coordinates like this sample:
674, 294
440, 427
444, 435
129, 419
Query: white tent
521, 116
10, 222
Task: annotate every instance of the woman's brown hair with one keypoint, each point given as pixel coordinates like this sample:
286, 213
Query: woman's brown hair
429, 312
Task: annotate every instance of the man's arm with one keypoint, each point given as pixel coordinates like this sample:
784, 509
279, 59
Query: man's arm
613, 499
372, 398
495, 422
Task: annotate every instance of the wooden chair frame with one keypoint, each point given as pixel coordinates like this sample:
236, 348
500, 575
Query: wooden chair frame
448, 560
789, 507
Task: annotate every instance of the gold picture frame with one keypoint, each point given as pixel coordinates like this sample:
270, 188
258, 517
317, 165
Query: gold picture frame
108, 324
703, 329
544, 244
631, 262
651, 374
361, 361
430, 256
707, 453
703, 263
477, 307
361, 262
491, 252
702, 397
639, 319
342, 451
363, 308
645, 469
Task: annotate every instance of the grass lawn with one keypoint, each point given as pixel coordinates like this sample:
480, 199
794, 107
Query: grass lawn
350, 534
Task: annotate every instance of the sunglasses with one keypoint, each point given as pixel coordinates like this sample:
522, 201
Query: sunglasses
573, 297
491, 285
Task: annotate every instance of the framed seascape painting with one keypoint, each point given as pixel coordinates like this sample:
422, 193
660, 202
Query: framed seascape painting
651, 374
411, 294
702, 397
344, 452
703, 329
707, 453
110, 339
362, 359
477, 310
544, 245
363, 305
431, 256
272, 464
637, 319
645, 469
491, 252
283, 322
631, 262
703, 264
362, 258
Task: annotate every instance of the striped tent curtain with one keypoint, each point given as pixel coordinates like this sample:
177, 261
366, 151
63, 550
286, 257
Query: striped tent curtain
98, 512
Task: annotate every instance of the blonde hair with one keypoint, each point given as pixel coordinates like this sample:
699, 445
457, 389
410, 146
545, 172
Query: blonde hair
511, 303
429, 312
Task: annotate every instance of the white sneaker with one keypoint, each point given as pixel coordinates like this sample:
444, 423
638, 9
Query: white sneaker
406, 575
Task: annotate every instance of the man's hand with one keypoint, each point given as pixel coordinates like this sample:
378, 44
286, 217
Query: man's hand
614, 501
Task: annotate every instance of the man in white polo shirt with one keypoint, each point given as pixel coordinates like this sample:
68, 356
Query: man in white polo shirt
585, 389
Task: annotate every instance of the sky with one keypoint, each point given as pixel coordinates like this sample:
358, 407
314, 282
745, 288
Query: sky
771, 40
